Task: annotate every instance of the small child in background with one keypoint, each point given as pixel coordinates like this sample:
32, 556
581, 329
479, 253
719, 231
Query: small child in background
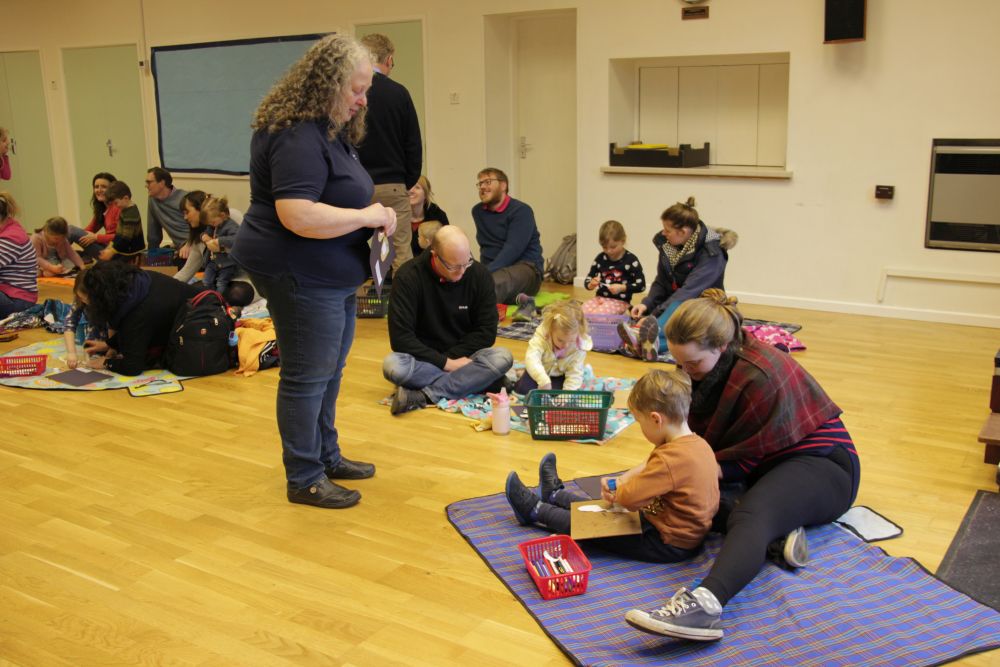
425, 233
56, 256
78, 330
129, 242
219, 236
4, 150
676, 489
616, 273
557, 350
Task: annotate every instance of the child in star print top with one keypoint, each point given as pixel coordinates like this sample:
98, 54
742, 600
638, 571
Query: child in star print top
616, 273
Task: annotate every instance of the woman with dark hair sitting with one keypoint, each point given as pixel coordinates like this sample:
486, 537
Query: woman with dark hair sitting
138, 307
105, 217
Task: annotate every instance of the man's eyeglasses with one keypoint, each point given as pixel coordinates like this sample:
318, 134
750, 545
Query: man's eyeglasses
486, 181
458, 267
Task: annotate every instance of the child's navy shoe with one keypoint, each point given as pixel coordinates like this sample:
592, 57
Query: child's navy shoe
525, 308
548, 478
649, 338
792, 550
522, 500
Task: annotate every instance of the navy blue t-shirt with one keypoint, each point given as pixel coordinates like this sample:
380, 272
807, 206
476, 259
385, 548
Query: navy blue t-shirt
302, 163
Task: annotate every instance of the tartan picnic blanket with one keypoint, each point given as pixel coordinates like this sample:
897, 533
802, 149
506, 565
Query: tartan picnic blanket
853, 604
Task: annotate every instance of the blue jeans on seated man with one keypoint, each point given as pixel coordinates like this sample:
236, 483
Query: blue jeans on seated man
315, 330
486, 368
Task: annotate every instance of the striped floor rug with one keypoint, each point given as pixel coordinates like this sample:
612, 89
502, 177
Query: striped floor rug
853, 605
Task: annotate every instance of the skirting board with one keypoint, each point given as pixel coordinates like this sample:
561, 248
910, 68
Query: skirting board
876, 310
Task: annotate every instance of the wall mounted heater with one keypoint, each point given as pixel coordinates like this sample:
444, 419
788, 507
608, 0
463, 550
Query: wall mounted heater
963, 201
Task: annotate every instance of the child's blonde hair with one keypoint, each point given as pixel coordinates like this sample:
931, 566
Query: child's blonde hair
213, 206
426, 231
566, 316
666, 392
612, 230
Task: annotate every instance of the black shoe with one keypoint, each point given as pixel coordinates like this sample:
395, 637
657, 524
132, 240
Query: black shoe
548, 478
790, 551
324, 493
348, 469
522, 499
406, 400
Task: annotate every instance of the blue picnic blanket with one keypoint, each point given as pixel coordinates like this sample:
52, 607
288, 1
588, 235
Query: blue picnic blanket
853, 605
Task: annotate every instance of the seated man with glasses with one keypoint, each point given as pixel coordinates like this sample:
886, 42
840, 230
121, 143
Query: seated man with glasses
442, 326
509, 243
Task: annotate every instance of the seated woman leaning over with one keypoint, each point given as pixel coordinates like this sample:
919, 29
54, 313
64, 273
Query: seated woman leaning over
776, 434
692, 257
138, 307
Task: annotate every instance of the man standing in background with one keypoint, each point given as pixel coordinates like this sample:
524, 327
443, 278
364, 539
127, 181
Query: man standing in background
164, 212
391, 152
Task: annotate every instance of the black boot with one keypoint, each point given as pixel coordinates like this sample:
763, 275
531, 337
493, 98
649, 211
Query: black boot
324, 493
522, 500
548, 478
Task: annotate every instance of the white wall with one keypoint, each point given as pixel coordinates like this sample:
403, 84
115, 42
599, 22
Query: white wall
859, 115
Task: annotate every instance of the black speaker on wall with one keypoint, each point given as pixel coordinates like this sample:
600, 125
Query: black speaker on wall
845, 21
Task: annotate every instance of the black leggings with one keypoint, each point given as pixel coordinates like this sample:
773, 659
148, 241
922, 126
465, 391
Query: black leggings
801, 490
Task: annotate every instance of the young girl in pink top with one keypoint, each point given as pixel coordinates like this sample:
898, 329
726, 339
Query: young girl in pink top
56, 256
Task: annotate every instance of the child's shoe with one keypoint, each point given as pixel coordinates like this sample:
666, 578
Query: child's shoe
630, 340
522, 500
688, 615
792, 550
525, 308
548, 478
649, 338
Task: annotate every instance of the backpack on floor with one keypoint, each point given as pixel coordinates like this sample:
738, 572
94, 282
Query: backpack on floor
199, 340
561, 267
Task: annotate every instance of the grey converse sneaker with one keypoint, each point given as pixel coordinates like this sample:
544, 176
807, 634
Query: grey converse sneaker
792, 550
683, 616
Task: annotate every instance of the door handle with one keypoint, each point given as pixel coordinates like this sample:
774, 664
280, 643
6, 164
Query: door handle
111, 148
524, 147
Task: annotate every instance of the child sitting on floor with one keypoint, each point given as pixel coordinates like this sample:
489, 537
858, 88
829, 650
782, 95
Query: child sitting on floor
557, 350
676, 489
425, 233
129, 242
616, 273
219, 236
56, 256
78, 330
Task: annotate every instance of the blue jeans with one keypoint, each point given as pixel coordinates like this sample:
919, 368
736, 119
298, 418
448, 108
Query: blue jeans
9, 305
487, 366
315, 330
661, 321
91, 251
218, 278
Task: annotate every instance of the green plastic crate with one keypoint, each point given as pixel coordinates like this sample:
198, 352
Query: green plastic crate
568, 415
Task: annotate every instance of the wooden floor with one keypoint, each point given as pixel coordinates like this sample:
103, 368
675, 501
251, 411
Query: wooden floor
155, 530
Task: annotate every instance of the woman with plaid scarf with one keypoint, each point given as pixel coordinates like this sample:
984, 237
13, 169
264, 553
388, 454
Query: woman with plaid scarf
776, 435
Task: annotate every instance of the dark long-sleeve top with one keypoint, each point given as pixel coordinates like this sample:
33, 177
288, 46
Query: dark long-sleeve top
391, 151
694, 273
143, 331
507, 235
431, 212
435, 320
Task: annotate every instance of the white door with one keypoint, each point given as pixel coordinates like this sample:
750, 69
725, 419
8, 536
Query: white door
545, 89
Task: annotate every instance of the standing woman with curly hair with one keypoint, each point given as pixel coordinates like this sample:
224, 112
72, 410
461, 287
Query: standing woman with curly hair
304, 241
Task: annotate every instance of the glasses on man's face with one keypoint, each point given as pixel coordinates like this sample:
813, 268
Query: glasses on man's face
454, 267
486, 181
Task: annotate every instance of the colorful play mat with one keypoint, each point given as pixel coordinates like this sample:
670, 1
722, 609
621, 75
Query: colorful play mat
149, 383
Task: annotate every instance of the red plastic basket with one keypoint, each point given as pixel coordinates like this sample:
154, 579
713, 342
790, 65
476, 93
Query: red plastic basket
560, 585
22, 366
502, 310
